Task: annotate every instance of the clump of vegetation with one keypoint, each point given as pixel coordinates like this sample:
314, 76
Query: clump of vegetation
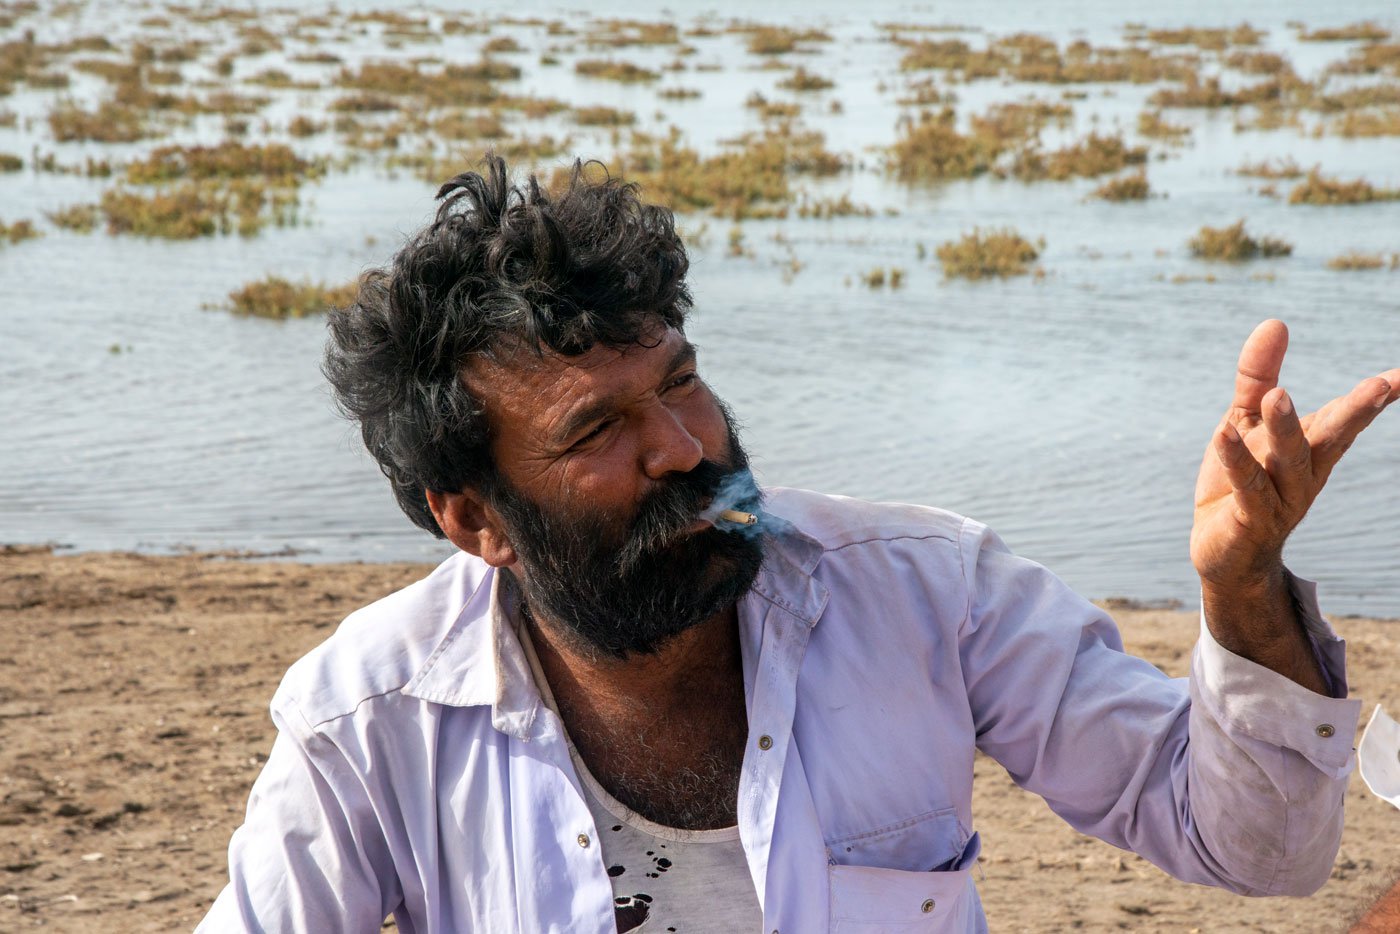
272, 161
79, 218
1368, 124
18, 232
1369, 60
109, 122
1210, 94
608, 70
1092, 156
677, 94
1214, 40
1127, 188
879, 277
1355, 32
749, 178
503, 44
1007, 124
1356, 261
1233, 244
827, 208
275, 297
1259, 63
302, 126
1316, 189
458, 124
993, 254
10, 162
772, 110
192, 209
604, 116
455, 85
803, 80
1032, 58
779, 40
616, 33
932, 149
1283, 168
1152, 126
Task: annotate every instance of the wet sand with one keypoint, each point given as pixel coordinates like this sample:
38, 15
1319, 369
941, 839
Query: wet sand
133, 719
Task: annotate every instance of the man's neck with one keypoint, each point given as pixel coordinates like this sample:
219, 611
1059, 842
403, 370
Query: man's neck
663, 733
672, 679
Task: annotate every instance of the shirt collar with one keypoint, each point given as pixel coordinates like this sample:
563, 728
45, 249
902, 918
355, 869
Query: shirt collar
481, 662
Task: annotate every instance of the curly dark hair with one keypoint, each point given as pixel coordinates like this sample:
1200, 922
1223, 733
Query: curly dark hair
501, 264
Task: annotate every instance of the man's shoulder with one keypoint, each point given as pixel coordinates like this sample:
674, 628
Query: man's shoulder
379, 648
841, 522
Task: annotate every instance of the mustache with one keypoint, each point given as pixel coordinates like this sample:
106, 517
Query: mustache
669, 510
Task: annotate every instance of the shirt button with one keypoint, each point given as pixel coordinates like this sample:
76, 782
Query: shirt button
927, 906
583, 840
1325, 730
765, 742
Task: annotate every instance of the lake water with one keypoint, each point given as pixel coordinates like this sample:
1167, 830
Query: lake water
1069, 411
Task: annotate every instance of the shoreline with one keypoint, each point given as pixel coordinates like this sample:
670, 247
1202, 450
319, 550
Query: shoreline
133, 714
289, 554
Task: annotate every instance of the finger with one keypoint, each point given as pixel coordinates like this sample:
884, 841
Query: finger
1253, 491
1260, 361
1289, 461
1345, 418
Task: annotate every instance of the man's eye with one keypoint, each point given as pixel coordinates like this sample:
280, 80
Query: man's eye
686, 379
591, 435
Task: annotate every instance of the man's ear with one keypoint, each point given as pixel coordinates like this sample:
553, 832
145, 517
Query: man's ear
472, 525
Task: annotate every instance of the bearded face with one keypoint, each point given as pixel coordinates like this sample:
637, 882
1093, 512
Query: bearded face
625, 585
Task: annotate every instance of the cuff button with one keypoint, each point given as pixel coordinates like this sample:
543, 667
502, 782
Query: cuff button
1325, 730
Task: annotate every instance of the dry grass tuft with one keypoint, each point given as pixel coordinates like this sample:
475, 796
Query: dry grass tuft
803, 80
1356, 261
275, 162
1153, 126
1092, 156
608, 70
1355, 32
275, 297
18, 232
932, 149
1232, 244
604, 116
1316, 189
779, 40
79, 218
1127, 188
994, 254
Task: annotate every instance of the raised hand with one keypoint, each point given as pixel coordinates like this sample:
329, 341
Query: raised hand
1263, 469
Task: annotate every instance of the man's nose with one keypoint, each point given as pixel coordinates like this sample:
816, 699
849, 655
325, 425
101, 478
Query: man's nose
668, 444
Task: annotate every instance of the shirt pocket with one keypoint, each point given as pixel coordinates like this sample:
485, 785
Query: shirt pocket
869, 895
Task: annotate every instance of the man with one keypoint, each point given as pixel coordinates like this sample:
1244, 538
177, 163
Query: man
621, 706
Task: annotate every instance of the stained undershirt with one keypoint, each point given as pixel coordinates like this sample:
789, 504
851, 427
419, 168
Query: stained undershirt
663, 878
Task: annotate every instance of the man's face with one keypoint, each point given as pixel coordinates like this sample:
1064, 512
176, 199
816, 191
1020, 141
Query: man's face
604, 462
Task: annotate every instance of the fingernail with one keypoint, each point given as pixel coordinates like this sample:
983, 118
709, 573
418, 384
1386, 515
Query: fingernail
1285, 404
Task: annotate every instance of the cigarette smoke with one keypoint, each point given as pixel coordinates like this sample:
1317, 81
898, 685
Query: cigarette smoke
738, 491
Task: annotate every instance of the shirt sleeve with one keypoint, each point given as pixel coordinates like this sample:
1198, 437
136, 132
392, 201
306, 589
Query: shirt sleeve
308, 857
1234, 777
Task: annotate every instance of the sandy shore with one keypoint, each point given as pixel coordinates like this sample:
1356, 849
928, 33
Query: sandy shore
133, 719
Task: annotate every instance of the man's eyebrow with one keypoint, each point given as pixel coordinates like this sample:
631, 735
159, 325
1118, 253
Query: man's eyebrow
578, 420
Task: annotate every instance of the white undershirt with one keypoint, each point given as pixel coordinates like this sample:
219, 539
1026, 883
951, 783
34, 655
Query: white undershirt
663, 878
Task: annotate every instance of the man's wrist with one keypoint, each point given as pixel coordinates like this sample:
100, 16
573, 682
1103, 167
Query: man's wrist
1257, 619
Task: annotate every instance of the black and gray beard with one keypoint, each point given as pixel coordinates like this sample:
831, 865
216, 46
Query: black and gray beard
628, 591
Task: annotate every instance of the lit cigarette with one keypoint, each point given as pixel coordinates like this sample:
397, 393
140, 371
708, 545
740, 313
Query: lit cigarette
738, 518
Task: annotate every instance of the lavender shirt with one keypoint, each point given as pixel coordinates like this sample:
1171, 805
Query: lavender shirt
418, 772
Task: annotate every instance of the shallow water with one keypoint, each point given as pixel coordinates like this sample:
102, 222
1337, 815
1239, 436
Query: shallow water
1068, 412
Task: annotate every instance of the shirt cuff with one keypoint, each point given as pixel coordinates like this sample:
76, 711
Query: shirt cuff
1248, 698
